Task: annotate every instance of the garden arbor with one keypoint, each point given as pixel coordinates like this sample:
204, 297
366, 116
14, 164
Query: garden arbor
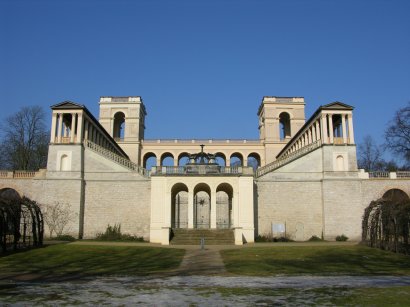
21, 221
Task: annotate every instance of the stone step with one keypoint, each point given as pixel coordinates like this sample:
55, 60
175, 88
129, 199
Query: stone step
194, 236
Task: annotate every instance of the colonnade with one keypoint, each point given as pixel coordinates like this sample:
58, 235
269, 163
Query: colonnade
73, 127
329, 128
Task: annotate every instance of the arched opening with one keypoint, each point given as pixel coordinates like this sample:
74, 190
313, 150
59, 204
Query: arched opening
149, 160
220, 159
254, 160
224, 195
179, 206
167, 159
340, 163
66, 132
202, 206
236, 159
395, 194
119, 126
284, 125
64, 163
183, 158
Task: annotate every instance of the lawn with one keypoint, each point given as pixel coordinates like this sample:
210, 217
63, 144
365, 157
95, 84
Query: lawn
315, 260
84, 260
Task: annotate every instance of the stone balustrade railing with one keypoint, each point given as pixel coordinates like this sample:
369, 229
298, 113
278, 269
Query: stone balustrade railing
384, 175
288, 158
194, 170
203, 141
18, 174
116, 158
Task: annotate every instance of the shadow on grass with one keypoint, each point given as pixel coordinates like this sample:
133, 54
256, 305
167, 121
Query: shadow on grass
330, 260
65, 262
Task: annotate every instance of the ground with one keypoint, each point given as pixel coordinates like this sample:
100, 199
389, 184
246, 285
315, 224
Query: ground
93, 273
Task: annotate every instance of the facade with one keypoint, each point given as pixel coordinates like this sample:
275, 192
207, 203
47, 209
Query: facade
299, 179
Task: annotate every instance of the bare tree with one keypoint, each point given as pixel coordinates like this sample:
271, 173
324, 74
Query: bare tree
57, 217
24, 142
370, 155
397, 134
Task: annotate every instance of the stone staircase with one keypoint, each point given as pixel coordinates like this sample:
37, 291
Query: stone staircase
211, 236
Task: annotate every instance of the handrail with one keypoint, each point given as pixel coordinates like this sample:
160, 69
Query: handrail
17, 174
288, 158
403, 174
116, 158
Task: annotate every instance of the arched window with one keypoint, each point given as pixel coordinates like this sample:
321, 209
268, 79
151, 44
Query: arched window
220, 159
119, 126
183, 158
64, 163
284, 125
167, 159
254, 160
340, 163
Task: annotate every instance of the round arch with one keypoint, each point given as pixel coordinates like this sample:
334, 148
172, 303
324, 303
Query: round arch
224, 195
183, 158
9, 194
179, 205
236, 159
284, 125
254, 160
119, 126
202, 206
395, 194
167, 159
220, 158
149, 160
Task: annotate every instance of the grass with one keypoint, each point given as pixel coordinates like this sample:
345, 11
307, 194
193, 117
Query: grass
84, 260
315, 260
334, 296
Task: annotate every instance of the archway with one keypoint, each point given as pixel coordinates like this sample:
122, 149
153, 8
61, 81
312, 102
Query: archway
202, 206
224, 194
220, 159
149, 160
183, 158
395, 194
119, 126
284, 125
236, 159
179, 206
167, 159
254, 160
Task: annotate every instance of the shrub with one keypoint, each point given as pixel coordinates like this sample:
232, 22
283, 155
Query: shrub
342, 238
64, 238
113, 233
268, 238
315, 238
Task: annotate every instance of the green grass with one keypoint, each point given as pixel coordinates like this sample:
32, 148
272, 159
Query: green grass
334, 296
316, 260
83, 260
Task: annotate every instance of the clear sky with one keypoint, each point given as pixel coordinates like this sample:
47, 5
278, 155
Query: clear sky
202, 67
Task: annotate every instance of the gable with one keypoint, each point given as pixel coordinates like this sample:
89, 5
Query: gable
67, 105
337, 105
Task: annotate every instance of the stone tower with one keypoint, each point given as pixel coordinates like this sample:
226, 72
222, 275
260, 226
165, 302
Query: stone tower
124, 119
279, 119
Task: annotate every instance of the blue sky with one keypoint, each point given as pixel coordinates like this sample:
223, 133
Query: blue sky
202, 67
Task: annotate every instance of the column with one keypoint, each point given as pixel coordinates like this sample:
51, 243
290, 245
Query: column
323, 125
330, 129
53, 128
314, 138
86, 129
317, 128
80, 128
235, 209
72, 129
175, 161
344, 133
213, 209
350, 123
60, 127
190, 209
